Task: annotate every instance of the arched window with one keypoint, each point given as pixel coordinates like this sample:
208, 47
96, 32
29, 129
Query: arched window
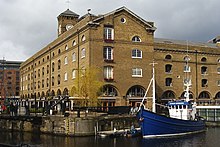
168, 68
73, 74
58, 80
52, 80
168, 82
168, 95
59, 51
53, 67
168, 57
65, 76
83, 38
47, 82
83, 53
59, 65
74, 42
218, 70
74, 57
109, 90
204, 95
203, 59
136, 39
65, 60
183, 96
136, 53
217, 96
42, 83
186, 58
65, 91
204, 70
66, 47
136, 91
58, 92
218, 60
218, 83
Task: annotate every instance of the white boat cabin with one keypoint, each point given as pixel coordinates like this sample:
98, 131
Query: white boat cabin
182, 110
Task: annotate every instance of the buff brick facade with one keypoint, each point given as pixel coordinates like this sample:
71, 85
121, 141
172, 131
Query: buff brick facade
121, 45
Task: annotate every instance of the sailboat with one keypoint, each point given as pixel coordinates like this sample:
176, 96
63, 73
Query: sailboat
182, 117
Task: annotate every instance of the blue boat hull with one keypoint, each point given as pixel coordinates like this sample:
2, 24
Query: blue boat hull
155, 125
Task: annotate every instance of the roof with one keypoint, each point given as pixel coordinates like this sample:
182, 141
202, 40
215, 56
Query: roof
69, 13
184, 42
149, 24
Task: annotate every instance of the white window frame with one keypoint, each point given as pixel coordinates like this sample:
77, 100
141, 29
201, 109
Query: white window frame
65, 60
74, 57
66, 47
73, 74
108, 53
108, 72
74, 43
136, 39
65, 76
137, 72
109, 33
83, 53
135, 56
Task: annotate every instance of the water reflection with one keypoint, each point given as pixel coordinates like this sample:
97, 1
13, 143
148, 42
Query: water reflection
207, 139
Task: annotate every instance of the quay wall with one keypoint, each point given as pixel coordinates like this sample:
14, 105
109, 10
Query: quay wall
68, 126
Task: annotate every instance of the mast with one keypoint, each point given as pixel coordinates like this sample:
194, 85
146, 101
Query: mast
153, 88
187, 80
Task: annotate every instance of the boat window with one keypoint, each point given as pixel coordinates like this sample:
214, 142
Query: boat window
180, 106
176, 106
190, 106
184, 106
172, 106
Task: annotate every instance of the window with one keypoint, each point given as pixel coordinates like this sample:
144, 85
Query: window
136, 53
83, 38
53, 54
43, 83
204, 83
136, 39
58, 79
186, 58
59, 65
52, 81
108, 72
168, 57
187, 68
218, 70
203, 59
53, 67
47, 69
47, 82
168, 68
218, 61
108, 34
38, 73
73, 74
169, 82
74, 42
218, 83
38, 84
48, 57
59, 51
123, 20
83, 53
204, 95
108, 53
66, 47
65, 76
42, 71
109, 90
65, 60
74, 57
136, 72
203, 70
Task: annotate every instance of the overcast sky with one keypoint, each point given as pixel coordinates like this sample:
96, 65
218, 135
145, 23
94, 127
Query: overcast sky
26, 26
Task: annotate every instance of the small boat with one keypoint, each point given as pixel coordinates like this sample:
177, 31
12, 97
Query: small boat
182, 117
133, 132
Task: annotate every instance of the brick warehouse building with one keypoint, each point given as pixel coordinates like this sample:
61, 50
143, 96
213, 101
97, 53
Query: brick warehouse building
9, 79
121, 44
